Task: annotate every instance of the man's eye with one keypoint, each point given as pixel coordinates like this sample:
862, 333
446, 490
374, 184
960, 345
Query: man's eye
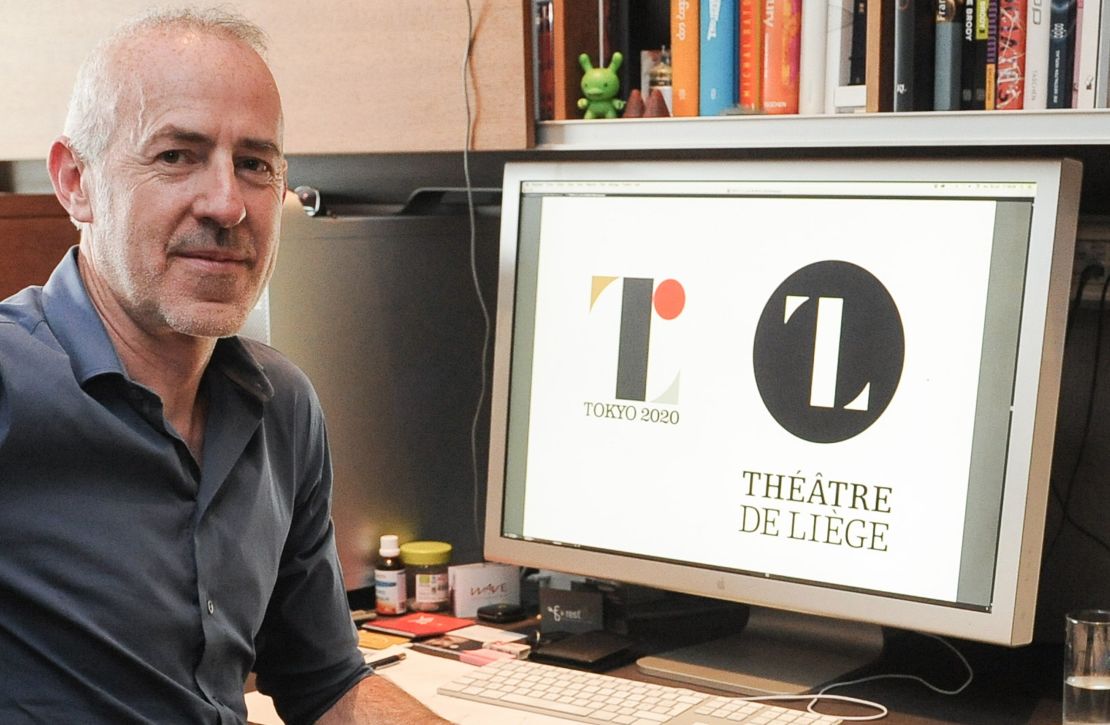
171, 157
255, 166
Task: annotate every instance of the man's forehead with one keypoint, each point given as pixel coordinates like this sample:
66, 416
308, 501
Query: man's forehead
173, 85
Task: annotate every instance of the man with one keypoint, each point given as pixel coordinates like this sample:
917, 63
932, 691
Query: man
164, 485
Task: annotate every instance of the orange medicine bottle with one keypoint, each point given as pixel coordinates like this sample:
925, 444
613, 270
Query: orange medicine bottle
390, 586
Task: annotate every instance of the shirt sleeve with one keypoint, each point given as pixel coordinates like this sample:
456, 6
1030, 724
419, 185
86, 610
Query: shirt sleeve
307, 652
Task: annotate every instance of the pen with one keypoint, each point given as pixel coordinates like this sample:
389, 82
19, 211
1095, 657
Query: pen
387, 661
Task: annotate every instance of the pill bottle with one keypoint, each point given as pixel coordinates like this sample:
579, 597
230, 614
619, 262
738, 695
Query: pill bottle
427, 562
390, 586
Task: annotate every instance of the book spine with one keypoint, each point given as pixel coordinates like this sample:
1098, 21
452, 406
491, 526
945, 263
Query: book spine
1086, 53
1076, 40
751, 55
1036, 54
970, 100
812, 45
1102, 73
978, 56
903, 55
545, 61
838, 44
719, 65
781, 55
684, 57
1010, 87
857, 56
879, 83
990, 73
1060, 53
948, 41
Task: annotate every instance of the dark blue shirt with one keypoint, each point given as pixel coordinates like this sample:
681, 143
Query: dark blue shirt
137, 585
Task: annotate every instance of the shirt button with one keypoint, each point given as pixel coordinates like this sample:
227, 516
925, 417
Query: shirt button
211, 607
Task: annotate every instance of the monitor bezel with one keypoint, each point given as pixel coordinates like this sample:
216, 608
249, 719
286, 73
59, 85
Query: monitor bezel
1009, 620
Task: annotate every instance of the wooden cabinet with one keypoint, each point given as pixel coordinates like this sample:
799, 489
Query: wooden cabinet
356, 76
35, 233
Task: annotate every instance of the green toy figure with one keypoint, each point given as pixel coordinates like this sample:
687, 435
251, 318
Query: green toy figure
601, 86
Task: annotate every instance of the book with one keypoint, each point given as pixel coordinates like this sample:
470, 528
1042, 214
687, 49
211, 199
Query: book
1036, 54
1077, 38
1102, 68
973, 97
990, 72
684, 57
782, 26
811, 65
1010, 85
416, 625
1088, 22
946, 55
751, 55
1061, 46
880, 50
914, 31
857, 56
448, 645
838, 46
718, 27
543, 60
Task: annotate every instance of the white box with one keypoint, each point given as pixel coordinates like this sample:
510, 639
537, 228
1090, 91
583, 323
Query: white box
476, 585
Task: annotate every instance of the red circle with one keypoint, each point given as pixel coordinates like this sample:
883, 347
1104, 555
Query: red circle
669, 299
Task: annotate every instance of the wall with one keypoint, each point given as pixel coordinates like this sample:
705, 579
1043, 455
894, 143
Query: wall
355, 75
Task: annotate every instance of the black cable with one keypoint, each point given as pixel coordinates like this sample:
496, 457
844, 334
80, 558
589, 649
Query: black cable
1065, 499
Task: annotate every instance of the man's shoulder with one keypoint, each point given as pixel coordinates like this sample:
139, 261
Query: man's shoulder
22, 312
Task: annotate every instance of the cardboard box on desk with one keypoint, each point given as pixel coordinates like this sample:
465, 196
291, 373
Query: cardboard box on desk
476, 585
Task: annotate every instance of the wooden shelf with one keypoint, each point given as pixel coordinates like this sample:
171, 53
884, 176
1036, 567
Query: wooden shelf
1016, 129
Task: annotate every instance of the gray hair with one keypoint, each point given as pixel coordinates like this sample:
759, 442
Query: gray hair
91, 118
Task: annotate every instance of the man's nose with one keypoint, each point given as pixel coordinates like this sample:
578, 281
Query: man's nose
220, 198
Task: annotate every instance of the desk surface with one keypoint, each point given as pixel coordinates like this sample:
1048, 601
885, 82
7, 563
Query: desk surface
1010, 687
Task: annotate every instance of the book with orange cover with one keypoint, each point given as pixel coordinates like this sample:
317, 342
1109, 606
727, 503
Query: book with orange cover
1010, 81
685, 57
782, 27
751, 55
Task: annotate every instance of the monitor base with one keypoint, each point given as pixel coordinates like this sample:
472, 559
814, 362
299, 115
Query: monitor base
777, 653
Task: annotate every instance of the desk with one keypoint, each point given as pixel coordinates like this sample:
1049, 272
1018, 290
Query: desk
1011, 687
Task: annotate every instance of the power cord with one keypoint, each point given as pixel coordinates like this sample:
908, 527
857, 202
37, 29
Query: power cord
474, 275
881, 710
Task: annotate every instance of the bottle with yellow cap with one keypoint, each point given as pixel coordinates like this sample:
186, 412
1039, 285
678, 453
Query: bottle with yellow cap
427, 560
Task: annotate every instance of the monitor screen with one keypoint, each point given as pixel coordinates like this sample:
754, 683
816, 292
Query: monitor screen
826, 387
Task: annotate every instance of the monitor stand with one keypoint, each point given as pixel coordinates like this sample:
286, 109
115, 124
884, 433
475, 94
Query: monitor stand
777, 653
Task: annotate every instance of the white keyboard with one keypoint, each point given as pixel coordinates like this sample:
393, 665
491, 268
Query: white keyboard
595, 698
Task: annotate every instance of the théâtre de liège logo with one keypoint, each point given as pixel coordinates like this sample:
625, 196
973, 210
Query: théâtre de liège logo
828, 351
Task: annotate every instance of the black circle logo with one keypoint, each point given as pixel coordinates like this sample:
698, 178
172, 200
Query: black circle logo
828, 352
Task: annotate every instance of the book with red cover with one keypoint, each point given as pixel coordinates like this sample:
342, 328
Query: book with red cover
1010, 86
416, 625
685, 57
751, 55
782, 27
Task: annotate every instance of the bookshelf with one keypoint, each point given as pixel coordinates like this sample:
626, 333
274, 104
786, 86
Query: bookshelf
1080, 134
965, 129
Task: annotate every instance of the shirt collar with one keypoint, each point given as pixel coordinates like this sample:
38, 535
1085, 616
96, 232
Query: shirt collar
79, 330
76, 324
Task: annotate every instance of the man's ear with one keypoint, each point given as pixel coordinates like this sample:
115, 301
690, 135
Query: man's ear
67, 171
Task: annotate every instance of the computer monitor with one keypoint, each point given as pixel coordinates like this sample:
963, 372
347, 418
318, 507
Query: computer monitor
823, 388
